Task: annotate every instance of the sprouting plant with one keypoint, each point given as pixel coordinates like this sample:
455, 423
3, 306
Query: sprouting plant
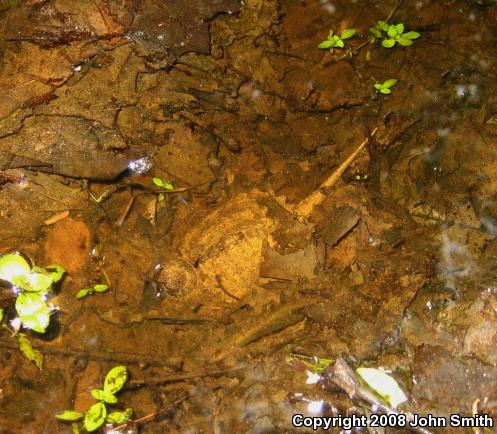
164, 185
384, 87
313, 364
393, 34
31, 285
335, 41
97, 414
99, 287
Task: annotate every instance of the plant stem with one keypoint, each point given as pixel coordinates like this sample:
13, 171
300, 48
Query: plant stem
392, 12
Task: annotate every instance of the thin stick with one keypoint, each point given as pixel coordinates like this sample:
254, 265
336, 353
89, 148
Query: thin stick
100, 356
126, 211
185, 376
57, 217
229, 294
150, 416
392, 12
127, 184
5, 177
305, 208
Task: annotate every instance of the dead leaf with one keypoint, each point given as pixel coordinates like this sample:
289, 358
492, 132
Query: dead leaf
68, 244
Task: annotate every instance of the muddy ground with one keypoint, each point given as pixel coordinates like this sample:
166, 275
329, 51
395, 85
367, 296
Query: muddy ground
213, 286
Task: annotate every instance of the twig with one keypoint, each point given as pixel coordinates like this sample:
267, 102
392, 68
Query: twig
151, 416
176, 378
305, 208
285, 316
126, 211
5, 177
229, 294
137, 184
57, 217
392, 12
101, 356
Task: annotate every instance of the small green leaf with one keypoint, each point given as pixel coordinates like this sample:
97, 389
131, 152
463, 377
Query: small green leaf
325, 44
388, 43
1, 315
33, 311
392, 32
375, 32
100, 287
115, 379
120, 417
82, 293
12, 265
313, 364
33, 282
158, 182
70, 415
385, 91
161, 197
109, 398
162, 184
404, 41
348, 33
75, 428
340, 44
29, 352
400, 28
383, 26
55, 271
98, 394
411, 35
102, 395
378, 86
95, 416
383, 384
389, 83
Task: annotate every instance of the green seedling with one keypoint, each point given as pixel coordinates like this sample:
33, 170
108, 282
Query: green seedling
385, 87
393, 34
32, 286
314, 364
335, 41
164, 185
82, 293
97, 414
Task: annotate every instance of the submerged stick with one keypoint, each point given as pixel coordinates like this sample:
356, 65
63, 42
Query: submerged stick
183, 376
126, 211
280, 319
306, 207
92, 354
